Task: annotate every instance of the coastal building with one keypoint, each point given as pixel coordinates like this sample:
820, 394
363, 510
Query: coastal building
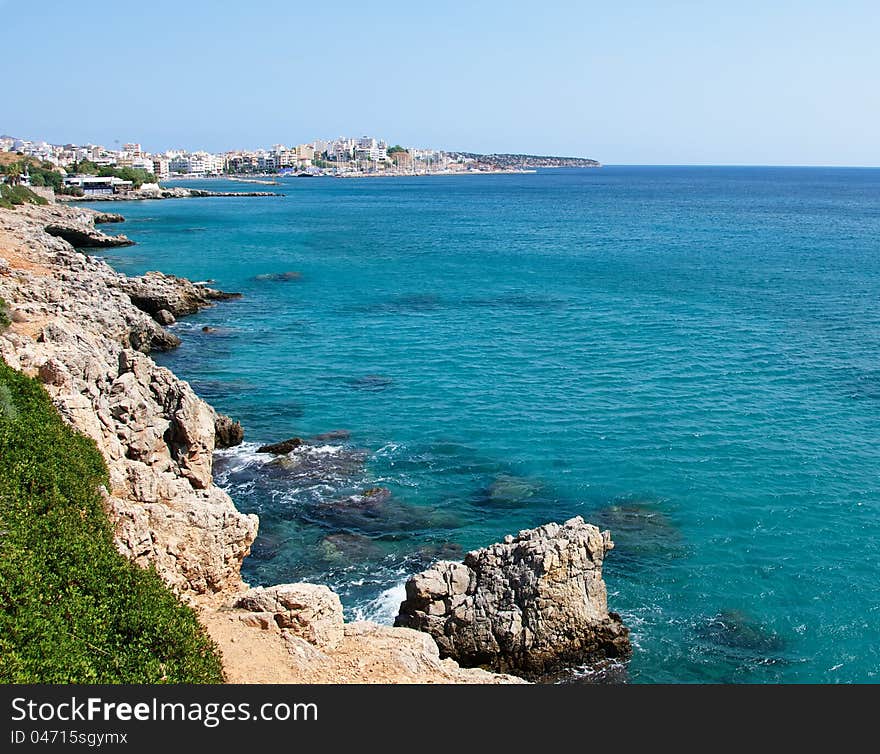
342, 149
305, 153
179, 164
196, 163
160, 168
266, 162
241, 162
284, 157
370, 149
92, 185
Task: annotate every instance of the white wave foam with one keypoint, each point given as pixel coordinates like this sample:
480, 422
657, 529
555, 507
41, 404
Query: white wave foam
384, 608
243, 455
320, 450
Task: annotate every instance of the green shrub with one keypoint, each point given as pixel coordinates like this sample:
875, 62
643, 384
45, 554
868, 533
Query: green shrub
10, 196
72, 609
5, 319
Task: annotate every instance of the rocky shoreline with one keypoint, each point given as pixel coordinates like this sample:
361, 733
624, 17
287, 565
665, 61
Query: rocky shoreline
86, 332
177, 192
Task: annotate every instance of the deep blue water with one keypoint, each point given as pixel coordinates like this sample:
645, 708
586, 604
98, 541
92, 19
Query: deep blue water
687, 356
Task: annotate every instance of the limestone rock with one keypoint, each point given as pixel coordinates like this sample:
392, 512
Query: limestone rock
227, 432
85, 236
264, 621
309, 611
76, 330
281, 448
53, 372
156, 292
164, 317
528, 605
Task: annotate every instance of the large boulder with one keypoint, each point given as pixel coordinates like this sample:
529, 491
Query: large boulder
309, 611
530, 605
281, 448
227, 432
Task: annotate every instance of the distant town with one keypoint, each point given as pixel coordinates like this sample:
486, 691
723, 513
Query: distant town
79, 168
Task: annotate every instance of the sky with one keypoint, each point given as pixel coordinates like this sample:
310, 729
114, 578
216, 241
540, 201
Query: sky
625, 82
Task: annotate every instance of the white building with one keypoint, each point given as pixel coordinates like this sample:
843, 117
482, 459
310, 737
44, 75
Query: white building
92, 184
196, 163
369, 148
266, 161
160, 168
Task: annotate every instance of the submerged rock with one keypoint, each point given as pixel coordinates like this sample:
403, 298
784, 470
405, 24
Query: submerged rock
736, 630
346, 547
508, 491
530, 605
335, 435
645, 534
281, 448
376, 511
735, 647
280, 277
310, 464
371, 382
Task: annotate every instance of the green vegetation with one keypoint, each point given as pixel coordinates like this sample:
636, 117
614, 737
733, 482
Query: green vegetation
40, 174
84, 167
10, 196
5, 321
138, 176
13, 173
45, 174
396, 148
72, 609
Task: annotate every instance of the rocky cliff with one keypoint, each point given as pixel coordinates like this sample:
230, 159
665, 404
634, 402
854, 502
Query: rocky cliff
86, 331
76, 328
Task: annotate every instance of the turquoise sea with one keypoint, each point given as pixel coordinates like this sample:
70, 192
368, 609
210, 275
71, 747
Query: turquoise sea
687, 356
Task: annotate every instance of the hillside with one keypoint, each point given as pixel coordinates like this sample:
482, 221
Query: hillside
506, 160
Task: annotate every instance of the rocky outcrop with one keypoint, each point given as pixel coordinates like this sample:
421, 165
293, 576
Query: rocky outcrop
295, 633
175, 192
77, 227
107, 217
281, 448
309, 611
528, 605
76, 329
257, 650
227, 432
160, 295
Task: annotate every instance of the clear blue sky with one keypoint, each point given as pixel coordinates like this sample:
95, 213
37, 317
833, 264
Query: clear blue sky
673, 82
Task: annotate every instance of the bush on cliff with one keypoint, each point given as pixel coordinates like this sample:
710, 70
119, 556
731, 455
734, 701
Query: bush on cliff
10, 196
72, 609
